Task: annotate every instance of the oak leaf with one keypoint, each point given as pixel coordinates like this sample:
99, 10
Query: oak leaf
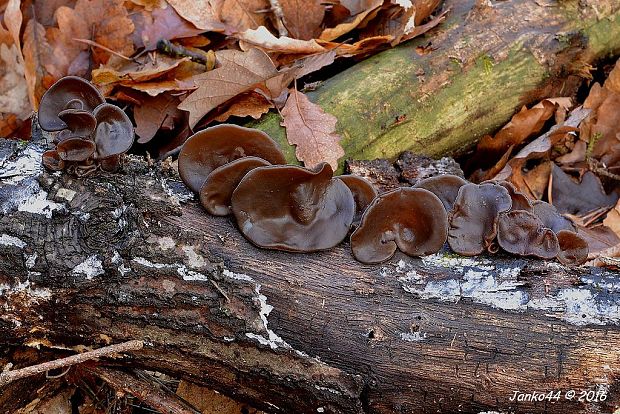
13, 87
166, 23
150, 5
130, 72
241, 15
105, 22
303, 18
252, 104
239, 72
264, 39
200, 13
155, 113
312, 130
360, 11
37, 50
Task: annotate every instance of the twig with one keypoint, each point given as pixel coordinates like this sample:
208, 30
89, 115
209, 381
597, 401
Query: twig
219, 289
95, 44
10, 376
276, 8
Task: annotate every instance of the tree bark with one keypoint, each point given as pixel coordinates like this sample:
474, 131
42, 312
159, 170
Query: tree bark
85, 262
480, 66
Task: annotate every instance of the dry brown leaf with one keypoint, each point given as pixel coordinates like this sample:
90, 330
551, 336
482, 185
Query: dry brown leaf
307, 65
578, 154
359, 48
360, 11
312, 130
160, 24
208, 401
155, 113
130, 72
182, 78
600, 238
264, 39
13, 87
36, 51
13, 20
200, 13
239, 72
105, 22
250, 104
150, 5
303, 18
242, 15
613, 219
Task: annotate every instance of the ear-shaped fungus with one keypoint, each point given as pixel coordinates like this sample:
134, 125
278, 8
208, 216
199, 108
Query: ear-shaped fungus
114, 134
550, 217
521, 232
215, 146
573, 248
69, 92
363, 193
81, 123
519, 200
52, 161
75, 149
217, 190
410, 219
446, 187
473, 219
293, 208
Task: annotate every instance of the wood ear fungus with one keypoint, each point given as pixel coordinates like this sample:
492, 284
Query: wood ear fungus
293, 208
410, 219
445, 187
363, 193
521, 232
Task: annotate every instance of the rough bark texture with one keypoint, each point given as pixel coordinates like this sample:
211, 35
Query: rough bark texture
488, 59
115, 257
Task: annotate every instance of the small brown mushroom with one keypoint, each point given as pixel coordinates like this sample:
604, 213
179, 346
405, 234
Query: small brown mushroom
293, 208
473, 219
550, 217
69, 92
114, 134
446, 187
521, 232
75, 149
215, 146
81, 123
410, 219
111, 164
363, 193
574, 249
217, 190
52, 161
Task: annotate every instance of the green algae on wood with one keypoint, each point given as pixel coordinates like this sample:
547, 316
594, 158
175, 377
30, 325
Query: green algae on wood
489, 61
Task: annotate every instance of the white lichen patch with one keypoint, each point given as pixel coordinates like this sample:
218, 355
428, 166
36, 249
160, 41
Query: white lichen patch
194, 259
191, 275
26, 165
413, 337
147, 263
6, 240
166, 243
90, 268
457, 263
273, 340
38, 203
579, 306
31, 260
237, 276
66, 194
27, 289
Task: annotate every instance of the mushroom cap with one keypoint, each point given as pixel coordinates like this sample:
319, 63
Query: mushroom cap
521, 232
52, 161
574, 248
217, 190
114, 134
550, 217
445, 187
218, 145
110, 164
413, 220
75, 149
363, 193
519, 200
286, 207
70, 92
81, 123
472, 222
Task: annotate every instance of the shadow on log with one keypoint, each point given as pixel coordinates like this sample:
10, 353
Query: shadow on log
118, 257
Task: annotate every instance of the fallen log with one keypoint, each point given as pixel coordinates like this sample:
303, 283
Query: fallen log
109, 258
440, 93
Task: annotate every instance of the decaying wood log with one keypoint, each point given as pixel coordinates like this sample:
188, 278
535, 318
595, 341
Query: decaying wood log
441, 92
116, 257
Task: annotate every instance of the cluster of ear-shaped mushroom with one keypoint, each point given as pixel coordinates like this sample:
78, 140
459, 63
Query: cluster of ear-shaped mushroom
90, 132
286, 207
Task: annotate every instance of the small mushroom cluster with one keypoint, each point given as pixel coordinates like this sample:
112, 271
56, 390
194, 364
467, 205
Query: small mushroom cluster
90, 132
242, 171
